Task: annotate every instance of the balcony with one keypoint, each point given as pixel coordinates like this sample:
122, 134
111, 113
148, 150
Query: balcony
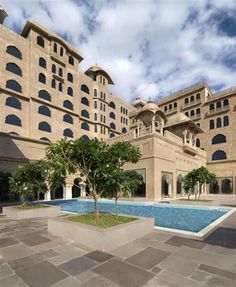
189, 149
217, 111
171, 111
191, 104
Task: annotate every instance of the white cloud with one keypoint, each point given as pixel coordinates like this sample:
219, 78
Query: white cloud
149, 47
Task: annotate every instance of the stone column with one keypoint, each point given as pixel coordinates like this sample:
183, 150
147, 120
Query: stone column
82, 186
67, 191
185, 136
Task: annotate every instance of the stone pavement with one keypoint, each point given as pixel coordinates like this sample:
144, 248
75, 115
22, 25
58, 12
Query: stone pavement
30, 256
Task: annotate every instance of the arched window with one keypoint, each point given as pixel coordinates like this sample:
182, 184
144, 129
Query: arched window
85, 101
112, 126
42, 78
218, 139
198, 143
13, 68
14, 85
85, 89
61, 52
68, 105
13, 120
60, 87
54, 69
112, 105
187, 114
186, 101
70, 77
225, 102
53, 83
218, 123
175, 106
198, 97
70, 91
55, 47
85, 126
12, 50
124, 130
95, 128
95, 92
85, 114
112, 115
192, 99
95, 116
71, 60
60, 72
218, 105
170, 106
212, 124
85, 138
165, 108
45, 139
44, 126
43, 94
112, 135
211, 107
95, 105
42, 63
198, 111
68, 119
226, 121
40, 41
192, 113
219, 155
68, 133
13, 102
43, 110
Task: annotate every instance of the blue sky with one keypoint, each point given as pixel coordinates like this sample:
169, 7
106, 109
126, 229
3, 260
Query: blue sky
150, 48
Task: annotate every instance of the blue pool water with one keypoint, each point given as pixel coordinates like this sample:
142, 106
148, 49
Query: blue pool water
187, 218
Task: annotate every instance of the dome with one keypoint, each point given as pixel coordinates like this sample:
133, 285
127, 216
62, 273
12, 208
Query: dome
98, 70
178, 118
150, 105
138, 102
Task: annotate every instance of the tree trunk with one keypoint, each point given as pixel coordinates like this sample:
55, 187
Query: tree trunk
38, 193
200, 191
116, 204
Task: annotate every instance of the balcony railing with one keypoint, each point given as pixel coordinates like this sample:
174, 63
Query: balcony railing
217, 111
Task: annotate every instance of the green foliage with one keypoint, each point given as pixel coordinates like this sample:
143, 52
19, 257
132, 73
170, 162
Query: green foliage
29, 179
4, 185
95, 160
197, 177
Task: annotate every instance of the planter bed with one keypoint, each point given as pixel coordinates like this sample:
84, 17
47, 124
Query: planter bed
103, 239
20, 212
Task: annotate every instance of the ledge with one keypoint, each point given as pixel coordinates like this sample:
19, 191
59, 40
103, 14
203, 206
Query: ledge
189, 149
103, 239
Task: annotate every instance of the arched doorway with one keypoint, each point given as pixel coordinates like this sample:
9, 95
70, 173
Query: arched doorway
226, 186
179, 185
57, 193
214, 188
166, 185
76, 191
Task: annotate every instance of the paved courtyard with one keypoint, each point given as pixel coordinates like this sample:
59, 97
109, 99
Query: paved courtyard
30, 256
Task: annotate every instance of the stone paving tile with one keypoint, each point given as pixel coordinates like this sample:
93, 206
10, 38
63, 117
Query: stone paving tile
51, 244
179, 265
157, 236
127, 250
180, 241
12, 281
69, 250
5, 270
200, 275
32, 259
77, 265
148, 257
203, 257
15, 251
98, 256
171, 279
158, 245
221, 272
7, 241
58, 260
85, 276
41, 274
219, 249
217, 281
222, 236
34, 240
99, 281
123, 273
68, 282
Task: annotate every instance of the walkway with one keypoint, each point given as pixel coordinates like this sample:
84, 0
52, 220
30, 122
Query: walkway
30, 256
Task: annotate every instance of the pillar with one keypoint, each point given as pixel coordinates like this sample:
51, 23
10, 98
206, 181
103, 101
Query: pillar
67, 191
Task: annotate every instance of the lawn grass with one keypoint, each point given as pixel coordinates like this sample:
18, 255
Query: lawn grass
105, 219
35, 206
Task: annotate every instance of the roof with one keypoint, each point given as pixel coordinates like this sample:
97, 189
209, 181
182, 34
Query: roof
179, 119
32, 24
98, 70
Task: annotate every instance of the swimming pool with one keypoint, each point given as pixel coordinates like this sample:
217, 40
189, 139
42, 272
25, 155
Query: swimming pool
180, 217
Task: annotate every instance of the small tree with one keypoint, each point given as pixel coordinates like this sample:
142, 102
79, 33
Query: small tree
93, 159
4, 185
189, 182
204, 177
29, 179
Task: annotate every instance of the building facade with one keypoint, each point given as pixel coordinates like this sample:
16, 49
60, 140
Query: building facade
44, 96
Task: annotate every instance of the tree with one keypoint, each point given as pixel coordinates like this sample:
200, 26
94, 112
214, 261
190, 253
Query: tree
4, 185
200, 177
95, 160
29, 179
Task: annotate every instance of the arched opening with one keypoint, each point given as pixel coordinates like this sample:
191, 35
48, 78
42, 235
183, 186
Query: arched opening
179, 185
13, 68
68, 133
40, 41
85, 138
85, 89
214, 188
13, 102
112, 105
13, 120
44, 95
166, 185
57, 193
43, 110
219, 155
42, 63
226, 121
85, 101
70, 77
42, 78
226, 186
12, 50
68, 105
14, 85
219, 139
